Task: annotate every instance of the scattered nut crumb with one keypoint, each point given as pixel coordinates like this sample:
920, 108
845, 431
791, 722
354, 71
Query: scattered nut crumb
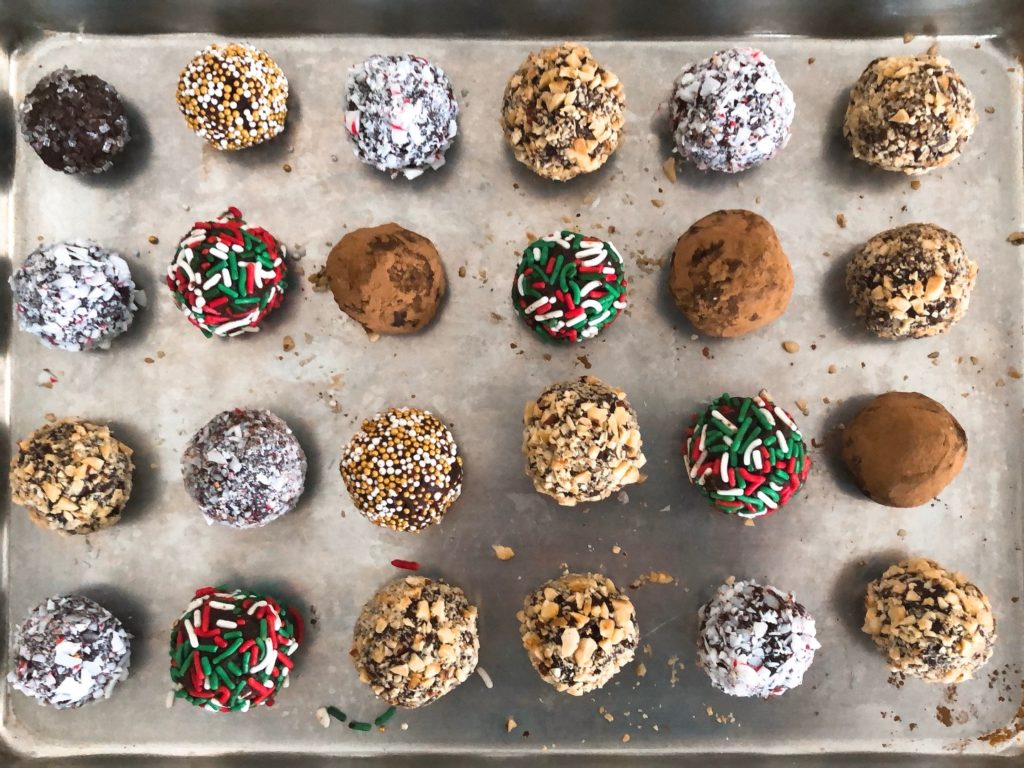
373, 336
286, 168
915, 184
641, 670
908, 37
811, 60
616, 549
652, 577
1013, 373
462, 271
832, 369
990, 110
503, 553
802, 405
319, 280
148, 360
1016, 238
841, 220
902, 533
791, 346
625, 738
153, 239
657, 203
287, 344
669, 167
510, 724
933, 355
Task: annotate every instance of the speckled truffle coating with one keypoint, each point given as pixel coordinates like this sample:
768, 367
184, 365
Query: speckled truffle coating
72, 476
403, 469
68, 652
911, 281
401, 114
563, 113
76, 123
755, 640
244, 468
909, 114
930, 623
415, 640
579, 630
582, 441
731, 112
75, 295
234, 95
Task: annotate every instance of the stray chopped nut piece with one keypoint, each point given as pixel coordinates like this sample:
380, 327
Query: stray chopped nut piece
286, 168
907, 38
287, 344
1016, 238
841, 220
510, 724
832, 369
153, 239
616, 549
791, 346
669, 167
503, 553
625, 738
915, 184
802, 405
657, 203
641, 670
1013, 373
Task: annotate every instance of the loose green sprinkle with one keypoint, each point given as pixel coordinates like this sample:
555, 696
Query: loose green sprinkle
337, 714
355, 725
385, 716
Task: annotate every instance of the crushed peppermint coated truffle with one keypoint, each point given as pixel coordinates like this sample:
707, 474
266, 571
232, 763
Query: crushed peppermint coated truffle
403, 469
910, 282
75, 295
68, 652
72, 476
234, 96
415, 640
930, 623
579, 630
755, 640
732, 111
401, 114
562, 112
244, 468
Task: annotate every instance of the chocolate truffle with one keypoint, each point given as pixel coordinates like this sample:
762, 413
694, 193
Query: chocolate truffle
76, 123
232, 650
582, 441
72, 476
579, 630
911, 281
415, 640
401, 114
234, 95
75, 295
69, 651
403, 469
903, 448
387, 278
569, 287
227, 276
909, 114
244, 468
755, 640
562, 112
729, 274
731, 112
930, 623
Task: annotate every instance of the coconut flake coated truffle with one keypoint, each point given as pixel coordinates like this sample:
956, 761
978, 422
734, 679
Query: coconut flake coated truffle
911, 281
244, 468
731, 112
76, 123
401, 114
68, 652
930, 623
75, 295
415, 640
582, 441
563, 112
579, 630
234, 96
909, 114
755, 640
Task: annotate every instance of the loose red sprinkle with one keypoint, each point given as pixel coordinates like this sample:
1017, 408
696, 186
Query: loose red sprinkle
408, 565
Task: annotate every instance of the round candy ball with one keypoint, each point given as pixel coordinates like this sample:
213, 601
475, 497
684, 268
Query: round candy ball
234, 96
909, 114
731, 112
227, 276
69, 651
563, 112
582, 441
75, 295
579, 630
415, 640
569, 287
76, 123
72, 476
403, 469
911, 281
232, 650
746, 455
401, 114
244, 468
904, 448
755, 640
930, 623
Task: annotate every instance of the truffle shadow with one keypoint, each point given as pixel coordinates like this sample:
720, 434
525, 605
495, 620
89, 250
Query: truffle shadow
845, 170
850, 587
145, 481
837, 300
831, 453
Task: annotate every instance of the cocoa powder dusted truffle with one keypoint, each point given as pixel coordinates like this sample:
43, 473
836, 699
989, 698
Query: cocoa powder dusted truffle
930, 623
563, 112
415, 641
579, 630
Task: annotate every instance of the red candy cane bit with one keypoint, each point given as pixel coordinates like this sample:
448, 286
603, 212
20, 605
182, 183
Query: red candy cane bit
408, 565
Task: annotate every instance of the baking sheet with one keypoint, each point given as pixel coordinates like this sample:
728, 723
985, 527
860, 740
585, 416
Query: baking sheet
478, 365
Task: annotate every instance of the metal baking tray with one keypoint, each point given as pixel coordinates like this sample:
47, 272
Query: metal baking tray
478, 365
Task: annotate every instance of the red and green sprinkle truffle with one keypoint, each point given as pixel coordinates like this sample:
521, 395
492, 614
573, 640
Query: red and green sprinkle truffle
569, 286
746, 455
227, 276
